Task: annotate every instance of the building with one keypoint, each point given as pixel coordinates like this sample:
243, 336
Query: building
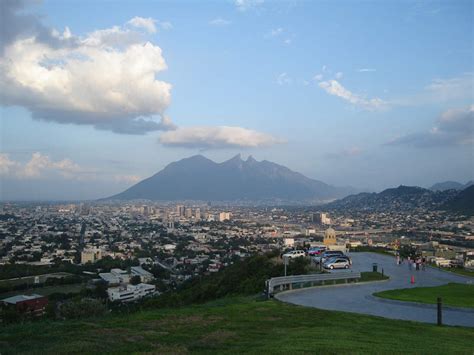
329, 237
90, 256
145, 276
180, 210
130, 293
224, 216
321, 218
197, 214
115, 277
34, 305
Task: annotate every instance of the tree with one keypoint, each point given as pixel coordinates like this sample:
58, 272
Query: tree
135, 280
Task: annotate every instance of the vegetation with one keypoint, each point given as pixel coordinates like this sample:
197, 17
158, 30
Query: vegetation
453, 294
235, 325
460, 271
244, 277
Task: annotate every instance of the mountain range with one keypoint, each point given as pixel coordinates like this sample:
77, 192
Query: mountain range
450, 185
235, 180
409, 198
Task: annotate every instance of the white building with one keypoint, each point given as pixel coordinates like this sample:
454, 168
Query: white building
130, 293
145, 276
115, 276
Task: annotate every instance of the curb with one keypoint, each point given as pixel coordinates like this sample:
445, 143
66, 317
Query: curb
418, 304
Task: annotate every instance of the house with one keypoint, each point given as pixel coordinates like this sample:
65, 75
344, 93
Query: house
34, 305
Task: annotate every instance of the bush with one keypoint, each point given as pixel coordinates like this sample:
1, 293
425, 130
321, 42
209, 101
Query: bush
84, 308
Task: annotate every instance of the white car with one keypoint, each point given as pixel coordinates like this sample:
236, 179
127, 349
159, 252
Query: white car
337, 263
294, 254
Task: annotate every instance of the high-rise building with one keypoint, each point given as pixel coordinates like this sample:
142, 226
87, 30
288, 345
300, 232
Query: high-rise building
224, 216
321, 218
180, 210
197, 214
188, 212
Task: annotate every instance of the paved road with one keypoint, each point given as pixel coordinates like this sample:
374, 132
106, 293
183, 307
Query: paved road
358, 298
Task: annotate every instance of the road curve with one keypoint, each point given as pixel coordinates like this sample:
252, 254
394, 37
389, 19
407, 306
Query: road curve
358, 298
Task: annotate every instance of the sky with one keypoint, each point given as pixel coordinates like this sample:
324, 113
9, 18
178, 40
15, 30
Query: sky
97, 95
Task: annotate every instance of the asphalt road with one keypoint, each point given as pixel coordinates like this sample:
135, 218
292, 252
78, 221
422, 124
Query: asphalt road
358, 298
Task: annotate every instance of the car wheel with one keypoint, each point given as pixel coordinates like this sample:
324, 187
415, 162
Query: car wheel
331, 267
347, 266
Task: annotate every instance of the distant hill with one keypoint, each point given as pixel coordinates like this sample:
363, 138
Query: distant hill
451, 185
463, 202
235, 180
401, 198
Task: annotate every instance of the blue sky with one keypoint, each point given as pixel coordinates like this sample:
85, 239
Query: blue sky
365, 93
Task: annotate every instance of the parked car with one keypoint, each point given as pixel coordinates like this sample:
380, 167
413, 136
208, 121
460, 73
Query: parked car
294, 254
339, 256
337, 263
316, 251
326, 255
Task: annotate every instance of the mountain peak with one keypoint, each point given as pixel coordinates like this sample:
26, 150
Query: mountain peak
251, 159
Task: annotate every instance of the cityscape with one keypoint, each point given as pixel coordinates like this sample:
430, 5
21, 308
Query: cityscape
236, 177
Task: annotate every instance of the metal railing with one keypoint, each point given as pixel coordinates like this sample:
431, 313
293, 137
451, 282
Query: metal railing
287, 282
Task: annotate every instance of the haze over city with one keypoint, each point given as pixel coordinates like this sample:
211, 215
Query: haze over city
97, 96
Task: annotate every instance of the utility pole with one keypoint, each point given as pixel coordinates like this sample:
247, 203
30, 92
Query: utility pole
285, 261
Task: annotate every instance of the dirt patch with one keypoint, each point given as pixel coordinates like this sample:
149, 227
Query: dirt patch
272, 319
134, 338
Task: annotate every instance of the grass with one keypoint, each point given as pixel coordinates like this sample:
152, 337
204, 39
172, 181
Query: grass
453, 294
235, 325
459, 271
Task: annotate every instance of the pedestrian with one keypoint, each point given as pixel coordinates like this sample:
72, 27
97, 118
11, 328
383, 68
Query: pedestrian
423, 264
409, 263
398, 259
417, 264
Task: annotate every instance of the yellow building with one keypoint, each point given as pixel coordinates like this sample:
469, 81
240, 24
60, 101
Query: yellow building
329, 237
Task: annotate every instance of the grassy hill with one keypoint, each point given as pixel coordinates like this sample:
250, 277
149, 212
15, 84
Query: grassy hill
235, 325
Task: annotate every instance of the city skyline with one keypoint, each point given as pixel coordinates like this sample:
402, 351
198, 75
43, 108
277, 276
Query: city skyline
364, 94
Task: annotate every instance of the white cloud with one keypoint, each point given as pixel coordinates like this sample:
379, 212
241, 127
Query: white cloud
454, 127
283, 79
287, 41
217, 137
106, 79
244, 5
219, 21
6, 165
42, 167
148, 24
366, 70
37, 166
339, 75
333, 87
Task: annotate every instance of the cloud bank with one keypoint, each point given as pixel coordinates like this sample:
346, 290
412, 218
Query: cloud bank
106, 79
453, 128
217, 138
